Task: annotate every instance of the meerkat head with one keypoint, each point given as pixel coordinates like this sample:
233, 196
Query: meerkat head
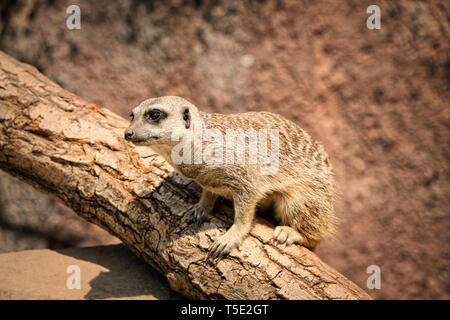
154, 120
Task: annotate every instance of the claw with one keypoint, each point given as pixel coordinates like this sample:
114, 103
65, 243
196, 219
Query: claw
211, 253
191, 212
197, 213
224, 252
214, 250
198, 218
222, 247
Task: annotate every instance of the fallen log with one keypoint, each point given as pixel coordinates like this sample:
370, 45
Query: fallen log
74, 151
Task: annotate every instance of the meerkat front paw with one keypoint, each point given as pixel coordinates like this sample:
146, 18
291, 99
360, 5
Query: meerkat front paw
204, 207
223, 245
199, 211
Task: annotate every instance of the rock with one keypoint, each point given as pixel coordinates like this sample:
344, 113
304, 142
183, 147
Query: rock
106, 272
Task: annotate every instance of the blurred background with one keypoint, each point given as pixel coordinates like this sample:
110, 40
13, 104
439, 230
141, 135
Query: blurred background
378, 100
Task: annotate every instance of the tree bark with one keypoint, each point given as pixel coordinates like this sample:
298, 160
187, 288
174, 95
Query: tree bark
74, 151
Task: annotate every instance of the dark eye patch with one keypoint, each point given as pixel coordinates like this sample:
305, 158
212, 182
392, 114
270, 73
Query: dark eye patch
155, 115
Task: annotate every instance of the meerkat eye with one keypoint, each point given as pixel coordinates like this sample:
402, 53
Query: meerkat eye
154, 115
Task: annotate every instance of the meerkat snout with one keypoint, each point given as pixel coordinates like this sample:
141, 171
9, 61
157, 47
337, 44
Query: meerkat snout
129, 133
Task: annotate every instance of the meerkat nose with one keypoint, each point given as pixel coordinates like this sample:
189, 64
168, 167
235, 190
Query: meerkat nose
129, 134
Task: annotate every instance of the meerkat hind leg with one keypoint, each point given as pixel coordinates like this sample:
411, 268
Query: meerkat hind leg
288, 235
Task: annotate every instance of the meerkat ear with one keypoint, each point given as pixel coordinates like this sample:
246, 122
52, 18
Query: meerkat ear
187, 118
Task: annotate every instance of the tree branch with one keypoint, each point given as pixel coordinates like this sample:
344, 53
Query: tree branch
74, 151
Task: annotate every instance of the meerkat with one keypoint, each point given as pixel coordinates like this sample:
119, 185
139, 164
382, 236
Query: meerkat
299, 194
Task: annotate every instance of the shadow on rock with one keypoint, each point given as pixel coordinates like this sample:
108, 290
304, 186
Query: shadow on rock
128, 276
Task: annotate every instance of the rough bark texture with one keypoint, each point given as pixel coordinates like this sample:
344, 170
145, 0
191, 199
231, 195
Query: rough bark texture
74, 151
